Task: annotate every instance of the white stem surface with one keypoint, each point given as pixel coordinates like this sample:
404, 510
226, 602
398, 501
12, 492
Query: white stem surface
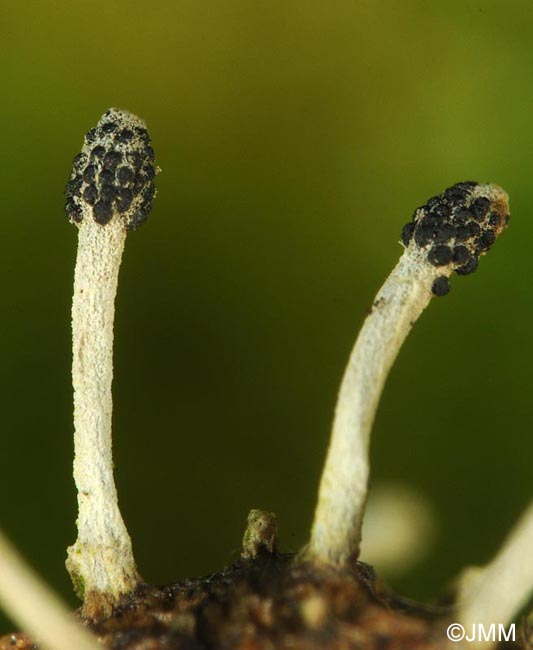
336, 532
497, 592
101, 560
33, 606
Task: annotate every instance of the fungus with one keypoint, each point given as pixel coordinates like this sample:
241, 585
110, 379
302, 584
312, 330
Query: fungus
448, 234
261, 535
265, 598
492, 595
110, 191
32, 604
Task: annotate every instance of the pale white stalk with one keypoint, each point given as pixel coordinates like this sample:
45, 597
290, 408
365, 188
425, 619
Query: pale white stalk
102, 556
406, 293
496, 593
448, 234
36, 608
110, 192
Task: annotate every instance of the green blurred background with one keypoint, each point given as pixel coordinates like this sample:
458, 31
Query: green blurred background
295, 139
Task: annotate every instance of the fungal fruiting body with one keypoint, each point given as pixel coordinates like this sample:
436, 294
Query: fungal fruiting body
455, 228
28, 600
110, 191
495, 593
261, 535
113, 176
446, 235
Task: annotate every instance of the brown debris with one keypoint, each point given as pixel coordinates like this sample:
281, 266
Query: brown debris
269, 603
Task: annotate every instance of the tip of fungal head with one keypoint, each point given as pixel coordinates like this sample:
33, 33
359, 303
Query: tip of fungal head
454, 229
122, 117
114, 173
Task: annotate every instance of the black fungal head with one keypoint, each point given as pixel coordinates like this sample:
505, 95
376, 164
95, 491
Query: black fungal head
456, 227
114, 173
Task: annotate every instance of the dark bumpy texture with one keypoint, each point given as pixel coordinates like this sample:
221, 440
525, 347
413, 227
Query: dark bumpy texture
441, 286
457, 227
114, 173
271, 602
265, 604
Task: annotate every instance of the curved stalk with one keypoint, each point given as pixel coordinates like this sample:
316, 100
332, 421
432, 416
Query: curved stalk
447, 234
